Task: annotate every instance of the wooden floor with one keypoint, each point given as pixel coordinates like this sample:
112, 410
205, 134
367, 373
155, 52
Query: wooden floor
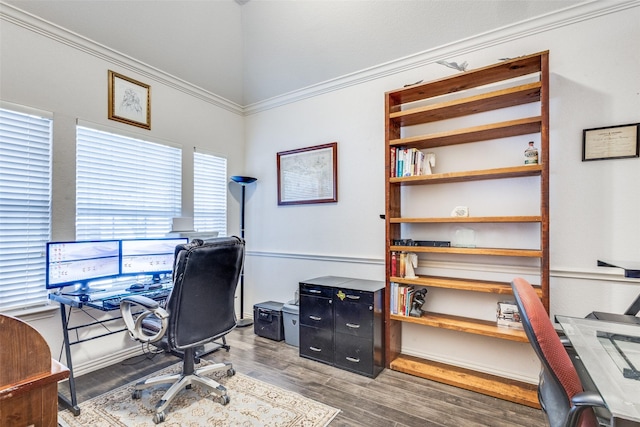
392, 399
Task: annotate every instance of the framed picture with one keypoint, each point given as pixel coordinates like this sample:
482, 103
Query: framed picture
613, 142
308, 175
129, 101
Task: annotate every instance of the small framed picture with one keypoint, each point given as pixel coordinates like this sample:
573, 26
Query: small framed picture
613, 142
308, 175
129, 101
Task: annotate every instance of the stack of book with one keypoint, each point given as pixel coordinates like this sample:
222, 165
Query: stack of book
407, 162
401, 298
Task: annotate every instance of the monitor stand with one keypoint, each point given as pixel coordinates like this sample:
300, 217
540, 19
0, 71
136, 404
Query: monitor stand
82, 292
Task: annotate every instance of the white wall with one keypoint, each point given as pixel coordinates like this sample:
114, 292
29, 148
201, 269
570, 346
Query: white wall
594, 68
69, 79
594, 82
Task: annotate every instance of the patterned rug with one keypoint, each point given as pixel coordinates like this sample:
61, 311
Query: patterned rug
253, 403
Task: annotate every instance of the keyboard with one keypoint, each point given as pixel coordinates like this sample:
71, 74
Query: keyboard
113, 301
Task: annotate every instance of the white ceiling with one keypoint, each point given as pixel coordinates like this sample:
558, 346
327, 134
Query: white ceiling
250, 51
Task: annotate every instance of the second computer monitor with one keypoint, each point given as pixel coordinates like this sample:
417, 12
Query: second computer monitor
152, 257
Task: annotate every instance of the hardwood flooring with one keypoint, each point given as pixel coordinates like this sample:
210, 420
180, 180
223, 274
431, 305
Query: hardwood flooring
393, 399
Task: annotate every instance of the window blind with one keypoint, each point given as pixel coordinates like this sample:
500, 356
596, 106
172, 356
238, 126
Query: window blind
210, 193
125, 187
25, 194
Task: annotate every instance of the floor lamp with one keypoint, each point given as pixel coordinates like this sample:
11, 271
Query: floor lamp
243, 181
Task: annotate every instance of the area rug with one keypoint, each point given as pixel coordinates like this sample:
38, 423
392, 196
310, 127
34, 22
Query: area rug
253, 403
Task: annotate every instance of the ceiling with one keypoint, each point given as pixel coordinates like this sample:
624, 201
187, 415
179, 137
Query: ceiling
250, 51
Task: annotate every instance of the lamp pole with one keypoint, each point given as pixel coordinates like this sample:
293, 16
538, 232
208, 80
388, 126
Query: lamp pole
243, 181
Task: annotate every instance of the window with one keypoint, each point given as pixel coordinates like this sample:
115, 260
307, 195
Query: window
210, 193
126, 187
25, 194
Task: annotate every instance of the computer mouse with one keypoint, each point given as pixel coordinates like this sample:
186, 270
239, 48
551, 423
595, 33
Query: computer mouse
137, 287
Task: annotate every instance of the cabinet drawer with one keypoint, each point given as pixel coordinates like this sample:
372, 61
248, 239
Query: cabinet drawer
316, 290
316, 344
354, 319
351, 295
354, 354
316, 312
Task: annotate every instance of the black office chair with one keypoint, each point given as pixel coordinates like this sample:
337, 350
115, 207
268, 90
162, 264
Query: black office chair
200, 309
560, 391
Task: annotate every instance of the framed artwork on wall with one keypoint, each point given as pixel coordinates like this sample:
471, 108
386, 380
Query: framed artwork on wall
308, 175
612, 142
129, 101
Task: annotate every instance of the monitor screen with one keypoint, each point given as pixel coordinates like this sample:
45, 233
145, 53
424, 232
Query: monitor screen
149, 256
78, 263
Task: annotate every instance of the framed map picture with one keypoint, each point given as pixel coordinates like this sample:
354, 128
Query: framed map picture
129, 101
308, 175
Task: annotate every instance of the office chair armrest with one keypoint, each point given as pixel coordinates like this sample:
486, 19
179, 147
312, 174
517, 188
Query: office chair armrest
581, 402
134, 324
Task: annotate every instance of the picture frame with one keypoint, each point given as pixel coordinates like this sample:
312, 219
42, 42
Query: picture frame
308, 175
129, 101
611, 142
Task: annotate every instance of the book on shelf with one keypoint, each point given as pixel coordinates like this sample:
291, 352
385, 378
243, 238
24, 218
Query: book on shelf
401, 298
407, 162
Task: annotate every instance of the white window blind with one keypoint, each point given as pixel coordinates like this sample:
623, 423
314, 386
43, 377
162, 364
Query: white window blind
25, 194
125, 187
210, 193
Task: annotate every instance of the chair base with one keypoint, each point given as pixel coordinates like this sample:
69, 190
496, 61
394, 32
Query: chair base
184, 380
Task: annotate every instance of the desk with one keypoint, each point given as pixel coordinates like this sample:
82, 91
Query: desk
621, 395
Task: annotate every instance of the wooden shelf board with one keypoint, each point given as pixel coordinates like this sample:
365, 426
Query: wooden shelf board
512, 68
491, 385
504, 98
532, 253
474, 175
465, 324
473, 134
502, 288
469, 219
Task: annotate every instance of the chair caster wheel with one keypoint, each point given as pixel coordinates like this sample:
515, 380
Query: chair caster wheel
231, 372
136, 394
224, 400
158, 417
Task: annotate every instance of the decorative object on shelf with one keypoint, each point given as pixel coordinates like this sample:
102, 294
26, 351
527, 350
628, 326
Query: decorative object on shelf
308, 175
455, 65
531, 155
430, 162
243, 181
460, 212
129, 101
419, 298
508, 315
464, 238
612, 142
411, 263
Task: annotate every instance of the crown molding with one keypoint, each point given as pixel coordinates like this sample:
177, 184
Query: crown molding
120, 61
568, 16
563, 17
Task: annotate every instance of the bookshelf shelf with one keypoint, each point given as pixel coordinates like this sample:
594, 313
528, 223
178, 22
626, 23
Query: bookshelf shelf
421, 117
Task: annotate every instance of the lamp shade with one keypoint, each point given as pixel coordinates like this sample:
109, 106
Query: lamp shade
243, 180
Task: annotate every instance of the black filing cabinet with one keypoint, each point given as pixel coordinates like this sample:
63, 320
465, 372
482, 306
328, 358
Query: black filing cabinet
341, 323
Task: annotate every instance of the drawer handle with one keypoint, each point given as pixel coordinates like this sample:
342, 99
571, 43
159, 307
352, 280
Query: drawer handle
314, 291
352, 359
315, 318
315, 349
353, 296
353, 325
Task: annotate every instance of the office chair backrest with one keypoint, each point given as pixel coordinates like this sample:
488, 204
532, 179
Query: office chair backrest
202, 302
559, 380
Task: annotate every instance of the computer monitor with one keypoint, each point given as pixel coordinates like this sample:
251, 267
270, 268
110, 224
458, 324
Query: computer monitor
78, 263
149, 256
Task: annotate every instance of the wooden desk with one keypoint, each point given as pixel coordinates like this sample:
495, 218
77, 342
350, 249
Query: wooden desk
620, 394
28, 377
